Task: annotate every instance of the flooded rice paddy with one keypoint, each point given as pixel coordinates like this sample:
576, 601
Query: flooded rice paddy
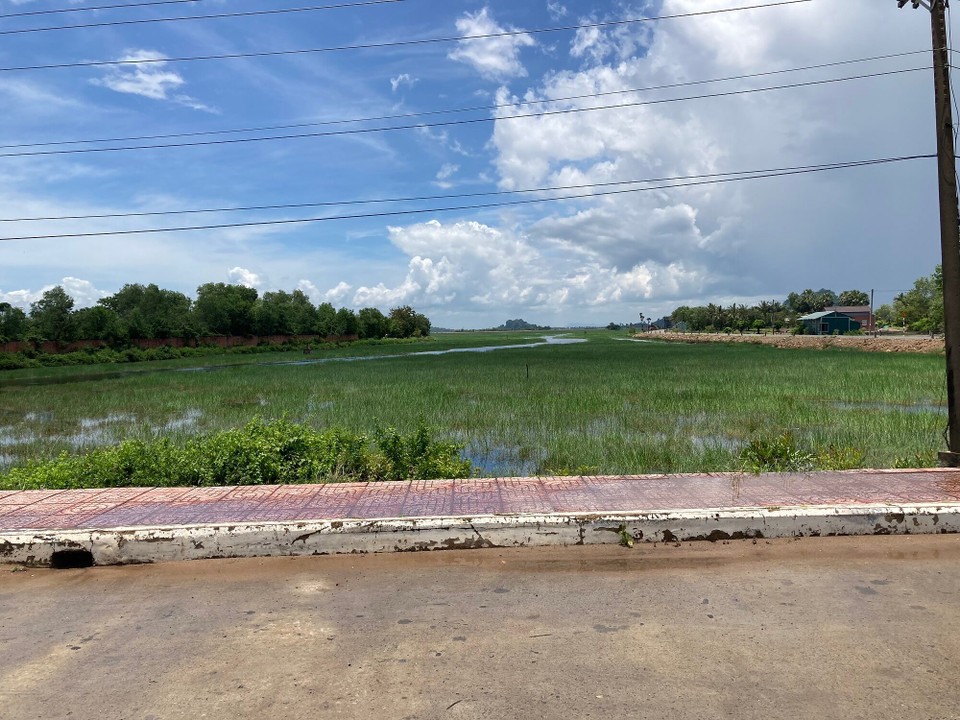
587, 403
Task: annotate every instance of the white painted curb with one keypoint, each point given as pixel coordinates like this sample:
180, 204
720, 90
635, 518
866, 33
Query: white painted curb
325, 537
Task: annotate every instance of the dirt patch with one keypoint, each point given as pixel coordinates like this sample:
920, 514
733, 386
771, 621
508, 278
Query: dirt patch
888, 344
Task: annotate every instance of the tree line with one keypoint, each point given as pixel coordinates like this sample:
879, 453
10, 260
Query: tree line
919, 309
768, 313
150, 312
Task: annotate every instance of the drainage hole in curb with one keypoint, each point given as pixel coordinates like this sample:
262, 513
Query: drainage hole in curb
70, 559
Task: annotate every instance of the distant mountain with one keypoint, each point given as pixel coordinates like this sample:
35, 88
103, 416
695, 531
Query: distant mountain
519, 324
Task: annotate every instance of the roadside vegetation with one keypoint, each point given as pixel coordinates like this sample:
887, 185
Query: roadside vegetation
259, 453
607, 405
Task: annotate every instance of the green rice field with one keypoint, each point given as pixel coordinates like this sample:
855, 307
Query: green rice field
605, 405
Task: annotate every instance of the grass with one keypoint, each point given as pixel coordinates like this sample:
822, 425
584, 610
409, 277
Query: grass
604, 406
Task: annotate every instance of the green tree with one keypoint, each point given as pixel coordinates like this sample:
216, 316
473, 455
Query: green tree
406, 322
885, 315
147, 311
345, 323
51, 315
922, 306
371, 323
13, 323
853, 298
225, 309
303, 316
98, 323
811, 301
326, 319
273, 314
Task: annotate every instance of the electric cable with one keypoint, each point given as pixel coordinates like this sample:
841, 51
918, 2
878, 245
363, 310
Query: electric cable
450, 123
451, 111
217, 16
395, 43
91, 8
454, 196
455, 208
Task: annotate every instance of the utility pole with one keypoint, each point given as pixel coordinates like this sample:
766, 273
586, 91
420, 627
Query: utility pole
949, 219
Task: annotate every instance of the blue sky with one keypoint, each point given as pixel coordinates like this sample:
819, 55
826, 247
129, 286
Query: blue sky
592, 260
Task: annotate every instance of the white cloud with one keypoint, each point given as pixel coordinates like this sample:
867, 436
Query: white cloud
337, 295
152, 80
242, 276
475, 267
604, 256
401, 80
495, 58
83, 292
556, 9
446, 171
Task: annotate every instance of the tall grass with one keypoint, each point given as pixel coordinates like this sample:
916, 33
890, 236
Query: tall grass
604, 406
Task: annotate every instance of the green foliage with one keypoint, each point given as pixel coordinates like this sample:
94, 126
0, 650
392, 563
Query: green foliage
416, 456
51, 315
225, 309
782, 453
839, 458
406, 322
371, 323
259, 453
853, 298
922, 307
776, 454
13, 322
810, 301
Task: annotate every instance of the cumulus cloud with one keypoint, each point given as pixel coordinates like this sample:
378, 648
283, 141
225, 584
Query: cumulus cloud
83, 292
472, 265
495, 58
337, 295
662, 247
247, 278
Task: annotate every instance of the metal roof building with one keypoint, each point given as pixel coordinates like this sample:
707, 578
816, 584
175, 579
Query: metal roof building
828, 322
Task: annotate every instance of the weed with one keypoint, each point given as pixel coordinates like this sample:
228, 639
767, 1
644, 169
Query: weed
776, 454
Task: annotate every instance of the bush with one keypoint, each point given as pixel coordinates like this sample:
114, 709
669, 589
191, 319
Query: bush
778, 454
259, 453
783, 454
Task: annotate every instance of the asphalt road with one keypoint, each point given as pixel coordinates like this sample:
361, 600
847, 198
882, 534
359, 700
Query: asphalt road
814, 628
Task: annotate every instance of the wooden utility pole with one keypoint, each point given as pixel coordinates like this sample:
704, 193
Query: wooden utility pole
949, 219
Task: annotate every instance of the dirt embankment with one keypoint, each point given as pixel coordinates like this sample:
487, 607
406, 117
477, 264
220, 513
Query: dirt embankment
884, 343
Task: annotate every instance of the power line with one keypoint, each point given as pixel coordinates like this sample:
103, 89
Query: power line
90, 8
450, 111
217, 16
449, 123
458, 208
396, 43
740, 174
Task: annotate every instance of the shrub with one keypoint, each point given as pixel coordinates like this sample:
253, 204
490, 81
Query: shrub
783, 454
777, 454
259, 453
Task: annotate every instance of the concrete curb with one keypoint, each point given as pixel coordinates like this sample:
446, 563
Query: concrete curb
79, 548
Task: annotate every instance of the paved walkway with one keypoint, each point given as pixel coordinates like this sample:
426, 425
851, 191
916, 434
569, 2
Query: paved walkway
167, 507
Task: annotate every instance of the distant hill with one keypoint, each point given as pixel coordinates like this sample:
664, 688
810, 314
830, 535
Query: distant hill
519, 324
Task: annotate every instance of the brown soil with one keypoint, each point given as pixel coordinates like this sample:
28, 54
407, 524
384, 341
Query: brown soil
885, 343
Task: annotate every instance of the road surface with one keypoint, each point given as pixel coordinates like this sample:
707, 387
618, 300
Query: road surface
813, 628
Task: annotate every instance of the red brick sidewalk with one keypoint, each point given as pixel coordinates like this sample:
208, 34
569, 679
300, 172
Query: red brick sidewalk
160, 507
